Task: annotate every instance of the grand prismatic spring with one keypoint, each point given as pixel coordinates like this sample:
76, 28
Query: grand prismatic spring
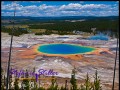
64, 49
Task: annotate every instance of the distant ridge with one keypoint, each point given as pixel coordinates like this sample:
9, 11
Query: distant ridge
80, 17
62, 18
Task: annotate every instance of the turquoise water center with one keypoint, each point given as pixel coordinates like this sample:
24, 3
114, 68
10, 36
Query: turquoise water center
64, 49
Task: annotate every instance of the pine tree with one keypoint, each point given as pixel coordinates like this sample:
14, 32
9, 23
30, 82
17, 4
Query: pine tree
41, 88
97, 82
54, 85
22, 83
87, 83
2, 80
66, 85
73, 80
32, 80
35, 86
26, 82
53, 81
10, 82
39, 81
82, 87
62, 88
16, 86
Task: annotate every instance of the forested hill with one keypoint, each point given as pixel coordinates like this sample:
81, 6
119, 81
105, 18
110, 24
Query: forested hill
68, 24
28, 18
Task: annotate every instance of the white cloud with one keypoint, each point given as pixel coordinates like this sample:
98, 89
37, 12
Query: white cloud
44, 6
12, 6
52, 10
74, 6
70, 6
32, 7
91, 6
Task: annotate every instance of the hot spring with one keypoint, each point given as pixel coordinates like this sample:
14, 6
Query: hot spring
99, 37
64, 49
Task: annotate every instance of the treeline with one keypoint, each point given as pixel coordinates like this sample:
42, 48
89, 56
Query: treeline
16, 31
49, 32
85, 26
26, 83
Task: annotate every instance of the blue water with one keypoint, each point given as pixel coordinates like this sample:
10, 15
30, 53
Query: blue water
99, 37
64, 49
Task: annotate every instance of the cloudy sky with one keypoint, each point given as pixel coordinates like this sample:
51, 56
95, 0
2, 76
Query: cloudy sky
60, 8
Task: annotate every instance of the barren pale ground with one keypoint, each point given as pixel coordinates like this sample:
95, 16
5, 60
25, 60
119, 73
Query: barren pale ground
103, 63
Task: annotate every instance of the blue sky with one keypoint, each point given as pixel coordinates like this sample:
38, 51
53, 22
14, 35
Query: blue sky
60, 8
